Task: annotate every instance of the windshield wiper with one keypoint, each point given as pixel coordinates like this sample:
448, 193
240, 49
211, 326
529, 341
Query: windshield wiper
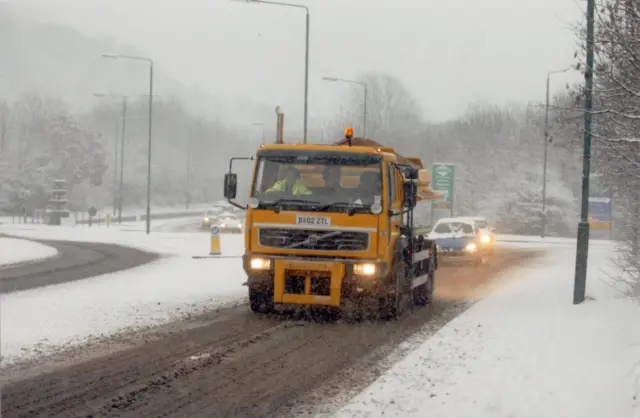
277, 202
351, 207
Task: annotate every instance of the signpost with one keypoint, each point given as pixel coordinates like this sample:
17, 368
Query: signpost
600, 210
600, 213
443, 182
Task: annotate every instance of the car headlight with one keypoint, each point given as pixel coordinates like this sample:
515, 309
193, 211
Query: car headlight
206, 219
471, 247
365, 269
258, 263
223, 225
485, 239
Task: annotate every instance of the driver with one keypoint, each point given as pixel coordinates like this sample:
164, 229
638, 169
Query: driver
291, 182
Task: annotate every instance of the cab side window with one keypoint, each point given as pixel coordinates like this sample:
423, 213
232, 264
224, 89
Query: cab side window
391, 182
399, 186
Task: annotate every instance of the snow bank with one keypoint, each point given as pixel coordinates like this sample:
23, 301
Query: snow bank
13, 251
40, 321
525, 351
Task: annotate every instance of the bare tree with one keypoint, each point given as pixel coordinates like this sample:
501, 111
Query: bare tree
393, 113
616, 143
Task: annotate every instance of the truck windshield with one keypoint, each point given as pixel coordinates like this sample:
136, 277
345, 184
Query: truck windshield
319, 181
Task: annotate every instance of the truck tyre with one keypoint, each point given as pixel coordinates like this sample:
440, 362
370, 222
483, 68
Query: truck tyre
391, 303
261, 301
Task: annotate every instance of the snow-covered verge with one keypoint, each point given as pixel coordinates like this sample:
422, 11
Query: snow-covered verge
15, 251
525, 351
44, 320
161, 240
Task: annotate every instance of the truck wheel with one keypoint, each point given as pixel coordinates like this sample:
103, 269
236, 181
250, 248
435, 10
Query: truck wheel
423, 294
392, 303
261, 301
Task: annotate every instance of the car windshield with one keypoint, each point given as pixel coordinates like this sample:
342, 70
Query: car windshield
319, 181
482, 224
456, 228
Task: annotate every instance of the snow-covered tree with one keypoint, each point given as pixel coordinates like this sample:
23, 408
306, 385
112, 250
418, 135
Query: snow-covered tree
516, 204
46, 144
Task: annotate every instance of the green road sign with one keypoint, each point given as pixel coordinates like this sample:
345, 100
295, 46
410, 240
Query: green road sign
443, 177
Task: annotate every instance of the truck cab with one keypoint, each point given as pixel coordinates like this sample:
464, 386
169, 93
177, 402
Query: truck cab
332, 225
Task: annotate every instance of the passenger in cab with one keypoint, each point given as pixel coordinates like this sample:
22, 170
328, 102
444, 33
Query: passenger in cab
291, 183
331, 176
370, 184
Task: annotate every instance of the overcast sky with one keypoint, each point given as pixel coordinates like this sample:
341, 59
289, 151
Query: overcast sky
448, 52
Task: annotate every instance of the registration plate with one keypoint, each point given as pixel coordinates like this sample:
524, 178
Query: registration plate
313, 220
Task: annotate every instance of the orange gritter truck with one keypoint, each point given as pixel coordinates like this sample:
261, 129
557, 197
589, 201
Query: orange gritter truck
332, 225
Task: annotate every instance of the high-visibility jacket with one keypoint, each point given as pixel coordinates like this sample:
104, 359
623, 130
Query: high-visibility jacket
298, 189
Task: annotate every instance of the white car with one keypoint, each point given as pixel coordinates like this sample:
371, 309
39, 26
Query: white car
229, 224
487, 234
209, 217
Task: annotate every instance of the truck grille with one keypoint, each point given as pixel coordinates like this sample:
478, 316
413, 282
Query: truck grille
310, 239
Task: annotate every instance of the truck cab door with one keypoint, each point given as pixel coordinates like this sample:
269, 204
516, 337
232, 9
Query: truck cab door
394, 201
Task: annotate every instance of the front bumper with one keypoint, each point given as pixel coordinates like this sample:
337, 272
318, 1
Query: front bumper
458, 255
314, 281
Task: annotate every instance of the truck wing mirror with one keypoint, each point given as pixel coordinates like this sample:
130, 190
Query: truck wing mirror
410, 194
230, 185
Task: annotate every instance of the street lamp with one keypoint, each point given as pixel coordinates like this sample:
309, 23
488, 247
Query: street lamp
148, 60
306, 55
366, 88
582, 242
543, 228
122, 141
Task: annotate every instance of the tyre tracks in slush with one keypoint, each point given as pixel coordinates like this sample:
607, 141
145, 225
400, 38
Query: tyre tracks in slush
239, 364
74, 261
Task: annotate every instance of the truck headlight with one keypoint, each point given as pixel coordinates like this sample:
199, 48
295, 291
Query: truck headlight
485, 239
239, 226
365, 269
258, 263
471, 247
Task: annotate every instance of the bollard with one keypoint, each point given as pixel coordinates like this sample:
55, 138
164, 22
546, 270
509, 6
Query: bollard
215, 247
107, 220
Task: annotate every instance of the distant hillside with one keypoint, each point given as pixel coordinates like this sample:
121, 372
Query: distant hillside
58, 61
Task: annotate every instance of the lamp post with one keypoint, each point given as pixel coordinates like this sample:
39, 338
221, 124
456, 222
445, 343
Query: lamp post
148, 60
364, 85
306, 55
582, 242
543, 220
